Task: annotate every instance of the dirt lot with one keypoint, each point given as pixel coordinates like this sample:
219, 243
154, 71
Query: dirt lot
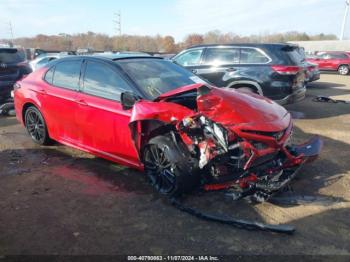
56, 200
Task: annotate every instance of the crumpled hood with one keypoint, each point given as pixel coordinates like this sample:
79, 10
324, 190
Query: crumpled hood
237, 109
233, 109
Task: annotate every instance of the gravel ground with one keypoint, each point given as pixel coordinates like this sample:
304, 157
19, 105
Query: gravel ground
56, 200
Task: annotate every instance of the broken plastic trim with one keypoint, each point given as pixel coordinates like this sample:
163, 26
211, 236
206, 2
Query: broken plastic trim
239, 223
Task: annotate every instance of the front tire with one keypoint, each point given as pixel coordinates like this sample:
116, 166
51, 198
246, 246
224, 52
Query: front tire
343, 70
168, 167
36, 126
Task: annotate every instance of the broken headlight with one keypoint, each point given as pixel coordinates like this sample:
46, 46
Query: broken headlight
216, 131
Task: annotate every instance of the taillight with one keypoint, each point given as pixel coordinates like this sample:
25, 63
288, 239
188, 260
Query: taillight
286, 70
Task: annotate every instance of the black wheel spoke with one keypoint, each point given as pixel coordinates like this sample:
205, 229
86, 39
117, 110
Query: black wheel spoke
153, 154
31, 127
168, 178
159, 169
40, 132
162, 158
166, 165
150, 166
36, 135
35, 125
31, 119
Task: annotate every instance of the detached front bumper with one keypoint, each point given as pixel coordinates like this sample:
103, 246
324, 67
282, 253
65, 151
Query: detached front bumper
308, 152
298, 155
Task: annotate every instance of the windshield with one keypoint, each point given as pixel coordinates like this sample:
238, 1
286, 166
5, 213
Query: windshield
157, 76
11, 55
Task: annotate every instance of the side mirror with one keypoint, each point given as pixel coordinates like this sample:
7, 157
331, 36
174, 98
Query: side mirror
128, 100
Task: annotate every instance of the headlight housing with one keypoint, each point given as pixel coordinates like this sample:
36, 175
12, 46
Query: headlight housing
216, 131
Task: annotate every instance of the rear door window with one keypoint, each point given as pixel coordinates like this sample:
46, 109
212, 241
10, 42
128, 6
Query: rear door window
338, 56
253, 56
190, 58
67, 74
323, 56
221, 56
49, 75
102, 81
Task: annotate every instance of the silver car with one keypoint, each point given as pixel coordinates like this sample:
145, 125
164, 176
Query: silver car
43, 60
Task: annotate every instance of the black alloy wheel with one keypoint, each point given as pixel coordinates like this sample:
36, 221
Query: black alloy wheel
159, 169
169, 166
36, 126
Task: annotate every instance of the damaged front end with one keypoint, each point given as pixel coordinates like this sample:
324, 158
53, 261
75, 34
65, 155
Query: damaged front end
254, 164
230, 140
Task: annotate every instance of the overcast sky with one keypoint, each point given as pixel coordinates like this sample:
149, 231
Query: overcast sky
174, 17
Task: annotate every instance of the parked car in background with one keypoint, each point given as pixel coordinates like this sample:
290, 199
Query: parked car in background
276, 71
151, 114
13, 66
332, 61
312, 73
43, 60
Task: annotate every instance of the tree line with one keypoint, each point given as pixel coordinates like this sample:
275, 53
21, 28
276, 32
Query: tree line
158, 43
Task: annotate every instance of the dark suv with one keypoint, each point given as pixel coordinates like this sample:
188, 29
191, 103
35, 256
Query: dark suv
13, 66
276, 71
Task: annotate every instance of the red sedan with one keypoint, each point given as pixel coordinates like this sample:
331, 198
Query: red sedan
332, 61
153, 115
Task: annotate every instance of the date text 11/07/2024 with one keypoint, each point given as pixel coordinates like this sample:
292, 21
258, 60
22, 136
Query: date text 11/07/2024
173, 258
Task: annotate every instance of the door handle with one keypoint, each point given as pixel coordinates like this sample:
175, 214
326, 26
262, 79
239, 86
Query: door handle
230, 69
194, 71
81, 102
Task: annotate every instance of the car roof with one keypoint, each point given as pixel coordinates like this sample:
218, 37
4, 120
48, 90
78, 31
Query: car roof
117, 56
247, 45
109, 57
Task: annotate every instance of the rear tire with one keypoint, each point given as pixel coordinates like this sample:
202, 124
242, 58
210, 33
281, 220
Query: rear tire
36, 126
168, 167
343, 70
